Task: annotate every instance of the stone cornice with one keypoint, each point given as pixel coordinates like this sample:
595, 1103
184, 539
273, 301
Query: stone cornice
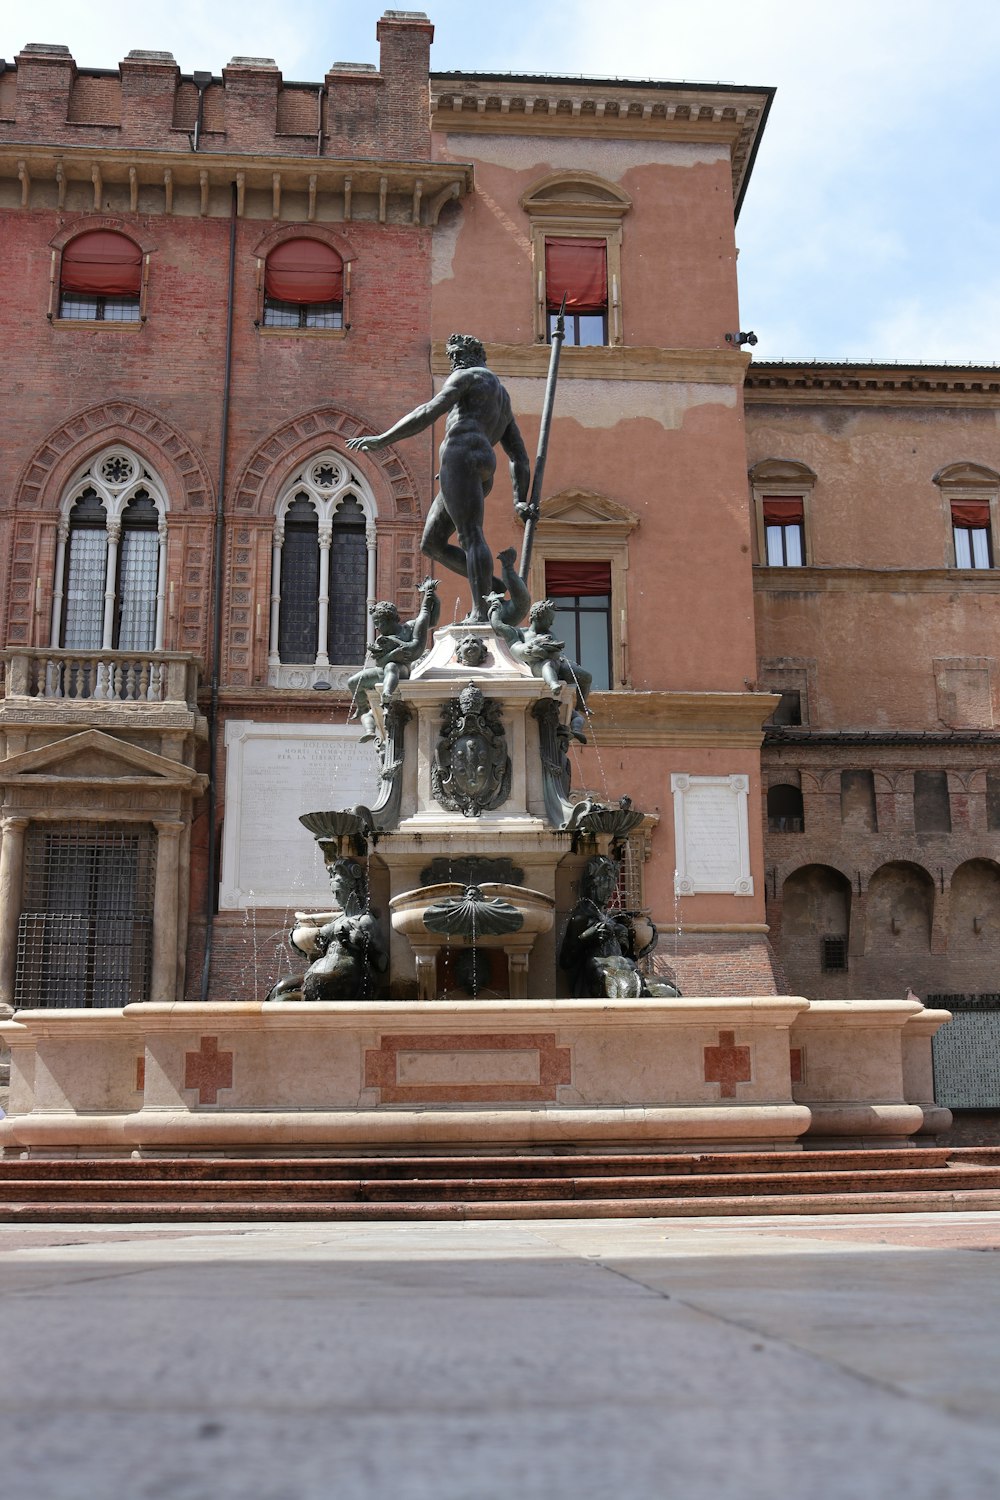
601, 362
679, 719
850, 580
362, 189
776, 383
503, 104
935, 739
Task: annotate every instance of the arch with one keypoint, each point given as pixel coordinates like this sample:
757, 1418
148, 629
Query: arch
131, 229
114, 423
900, 908
974, 908
185, 488
280, 233
392, 485
323, 569
109, 578
816, 901
816, 921
116, 473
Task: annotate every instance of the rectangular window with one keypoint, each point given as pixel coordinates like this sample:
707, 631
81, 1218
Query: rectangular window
784, 532
139, 568
970, 521
833, 954
303, 314
86, 928
83, 616
581, 592
578, 269
789, 710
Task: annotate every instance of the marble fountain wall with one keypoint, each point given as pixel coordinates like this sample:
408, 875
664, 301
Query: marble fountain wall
249, 1075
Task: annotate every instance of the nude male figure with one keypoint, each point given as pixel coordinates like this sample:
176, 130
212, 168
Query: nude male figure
477, 415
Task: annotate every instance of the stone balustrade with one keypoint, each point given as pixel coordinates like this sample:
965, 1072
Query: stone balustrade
101, 676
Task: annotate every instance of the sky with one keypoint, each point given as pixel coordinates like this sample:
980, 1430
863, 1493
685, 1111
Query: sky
871, 225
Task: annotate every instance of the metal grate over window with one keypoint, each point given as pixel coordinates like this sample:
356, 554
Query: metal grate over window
86, 927
299, 617
86, 567
833, 954
348, 583
138, 574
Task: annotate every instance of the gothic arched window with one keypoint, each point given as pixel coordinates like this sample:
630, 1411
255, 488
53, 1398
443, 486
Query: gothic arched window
323, 573
111, 558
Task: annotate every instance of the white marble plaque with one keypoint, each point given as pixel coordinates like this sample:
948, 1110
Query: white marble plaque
274, 772
712, 835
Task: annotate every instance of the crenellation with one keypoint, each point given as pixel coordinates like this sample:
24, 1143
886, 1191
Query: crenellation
357, 110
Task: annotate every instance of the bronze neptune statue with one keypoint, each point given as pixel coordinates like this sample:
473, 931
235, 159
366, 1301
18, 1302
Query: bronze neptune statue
478, 415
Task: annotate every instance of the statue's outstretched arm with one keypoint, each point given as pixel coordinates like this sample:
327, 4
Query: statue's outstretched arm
430, 613
408, 426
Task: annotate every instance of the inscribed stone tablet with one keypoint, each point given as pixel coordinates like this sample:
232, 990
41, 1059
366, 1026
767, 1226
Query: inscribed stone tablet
274, 772
711, 835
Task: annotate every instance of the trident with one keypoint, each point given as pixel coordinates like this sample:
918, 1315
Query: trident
558, 334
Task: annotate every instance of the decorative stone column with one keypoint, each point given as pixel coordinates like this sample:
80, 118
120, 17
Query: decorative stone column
370, 541
11, 882
58, 583
323, 613
110, 576
163, 986
273, 658
161, 584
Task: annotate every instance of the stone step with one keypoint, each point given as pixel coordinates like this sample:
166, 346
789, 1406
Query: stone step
602, 1208
507, 1185
470, 1187
512, 1164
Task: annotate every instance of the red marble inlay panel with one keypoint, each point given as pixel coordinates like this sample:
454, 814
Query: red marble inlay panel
795, 1059
208, 1070
727, 1065
140, 1074
382, 1068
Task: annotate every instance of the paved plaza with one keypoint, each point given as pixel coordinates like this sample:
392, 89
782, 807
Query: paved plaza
823, 1357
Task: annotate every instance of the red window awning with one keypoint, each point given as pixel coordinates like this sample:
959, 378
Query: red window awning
563, 579
103, 264
970, 514
780, 512
304, 271
579, 268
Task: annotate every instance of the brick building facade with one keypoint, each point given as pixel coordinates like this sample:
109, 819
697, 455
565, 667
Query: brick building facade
881, 779
188, 543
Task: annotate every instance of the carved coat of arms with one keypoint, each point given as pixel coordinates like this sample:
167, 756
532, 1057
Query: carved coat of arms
471, 773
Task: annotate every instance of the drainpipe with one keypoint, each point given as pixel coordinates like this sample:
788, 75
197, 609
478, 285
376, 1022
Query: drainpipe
213, 710
201, 82
319, 121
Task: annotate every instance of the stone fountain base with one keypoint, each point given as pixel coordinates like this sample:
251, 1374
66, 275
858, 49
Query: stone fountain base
685, 1074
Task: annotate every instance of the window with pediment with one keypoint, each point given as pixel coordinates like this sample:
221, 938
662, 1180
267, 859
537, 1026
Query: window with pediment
323, 572
782, 489
580, 559
111, 556
969, 494
576, 237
